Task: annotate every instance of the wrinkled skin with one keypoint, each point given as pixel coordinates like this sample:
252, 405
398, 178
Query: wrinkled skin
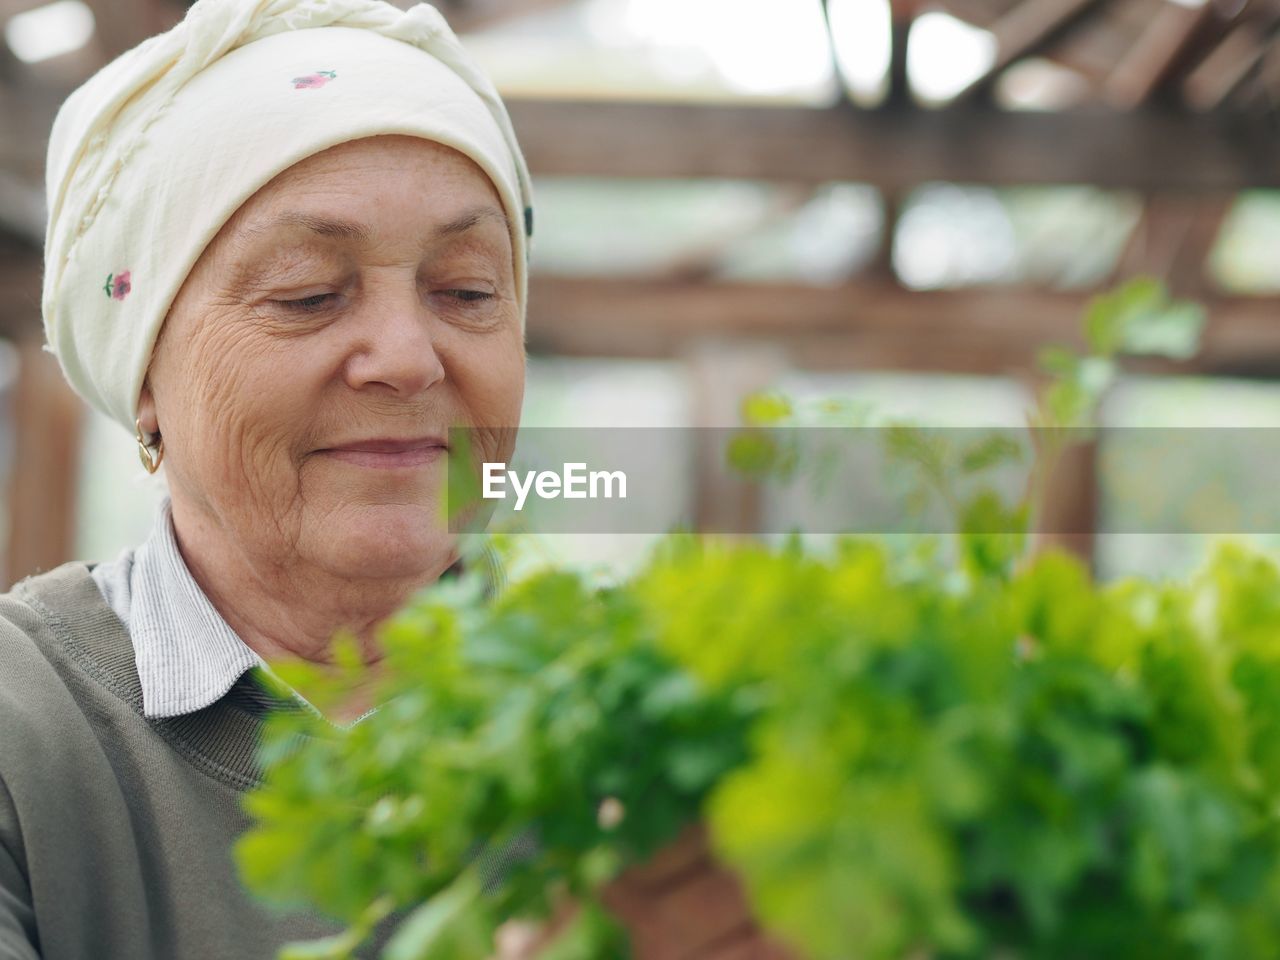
402, 332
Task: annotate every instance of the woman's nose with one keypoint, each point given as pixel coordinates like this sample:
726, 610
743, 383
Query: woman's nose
395, 346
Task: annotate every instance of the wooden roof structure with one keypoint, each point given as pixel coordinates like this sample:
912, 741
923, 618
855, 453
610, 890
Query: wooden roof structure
1175, 100
1172, 99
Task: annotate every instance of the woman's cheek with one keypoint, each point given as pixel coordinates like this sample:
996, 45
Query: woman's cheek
493, 444
242, 404
492, 384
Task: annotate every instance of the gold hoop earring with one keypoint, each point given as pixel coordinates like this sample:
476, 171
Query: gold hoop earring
150, 460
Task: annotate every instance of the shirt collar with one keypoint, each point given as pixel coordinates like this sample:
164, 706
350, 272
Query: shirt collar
188, 657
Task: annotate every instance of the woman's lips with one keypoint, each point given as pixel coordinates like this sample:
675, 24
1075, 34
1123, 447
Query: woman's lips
388, 454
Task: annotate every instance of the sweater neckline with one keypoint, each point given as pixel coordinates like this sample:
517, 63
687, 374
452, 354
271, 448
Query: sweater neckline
221, 740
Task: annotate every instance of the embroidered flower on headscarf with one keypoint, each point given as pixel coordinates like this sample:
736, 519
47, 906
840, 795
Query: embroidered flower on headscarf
317, 79
118, 285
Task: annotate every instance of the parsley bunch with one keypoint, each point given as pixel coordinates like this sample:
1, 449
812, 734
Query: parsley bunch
896, 763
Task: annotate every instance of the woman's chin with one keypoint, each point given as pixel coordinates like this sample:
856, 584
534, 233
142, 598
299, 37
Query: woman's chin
393, 541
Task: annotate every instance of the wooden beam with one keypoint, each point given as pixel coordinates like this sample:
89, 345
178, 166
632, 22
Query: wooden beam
980, 13
58, 76
1098, 45
881, 268
898, 148
1156, 54
1070, 516
720, 373
1209, 85
22, 209
1023, 32
1260, 93
865, 325
11, 8
21, 268
26, 117
842, 79
121, 25
1188, 274
42, 482
472, 16
902, 16
1173, 239
892, 149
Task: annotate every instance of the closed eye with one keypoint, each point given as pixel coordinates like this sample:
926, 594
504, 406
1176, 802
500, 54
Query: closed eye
470, 296
307, 304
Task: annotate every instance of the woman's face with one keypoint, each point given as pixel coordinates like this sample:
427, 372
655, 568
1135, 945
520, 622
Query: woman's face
351, 312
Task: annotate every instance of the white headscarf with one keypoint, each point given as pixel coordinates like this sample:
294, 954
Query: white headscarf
155, 153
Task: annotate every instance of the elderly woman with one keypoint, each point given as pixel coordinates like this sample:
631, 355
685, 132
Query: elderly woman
286, 250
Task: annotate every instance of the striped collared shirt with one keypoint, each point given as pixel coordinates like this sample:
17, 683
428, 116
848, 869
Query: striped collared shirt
188, 657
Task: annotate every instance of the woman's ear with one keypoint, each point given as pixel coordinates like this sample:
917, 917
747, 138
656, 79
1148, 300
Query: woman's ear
147, 410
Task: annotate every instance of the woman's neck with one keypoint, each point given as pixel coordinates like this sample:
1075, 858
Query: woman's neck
286, 611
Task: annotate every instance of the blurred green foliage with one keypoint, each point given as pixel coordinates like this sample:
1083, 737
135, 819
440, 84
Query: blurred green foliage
893, 760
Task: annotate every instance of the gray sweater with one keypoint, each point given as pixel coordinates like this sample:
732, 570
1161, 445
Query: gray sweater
116, 830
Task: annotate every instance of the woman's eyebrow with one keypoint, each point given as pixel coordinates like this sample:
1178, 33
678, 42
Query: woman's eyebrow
472, 218
329, 227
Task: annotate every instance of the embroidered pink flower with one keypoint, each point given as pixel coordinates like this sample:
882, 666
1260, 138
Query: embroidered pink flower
317, 79
118, 285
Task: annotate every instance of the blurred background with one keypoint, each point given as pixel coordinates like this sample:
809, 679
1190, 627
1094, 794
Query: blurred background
893, 201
